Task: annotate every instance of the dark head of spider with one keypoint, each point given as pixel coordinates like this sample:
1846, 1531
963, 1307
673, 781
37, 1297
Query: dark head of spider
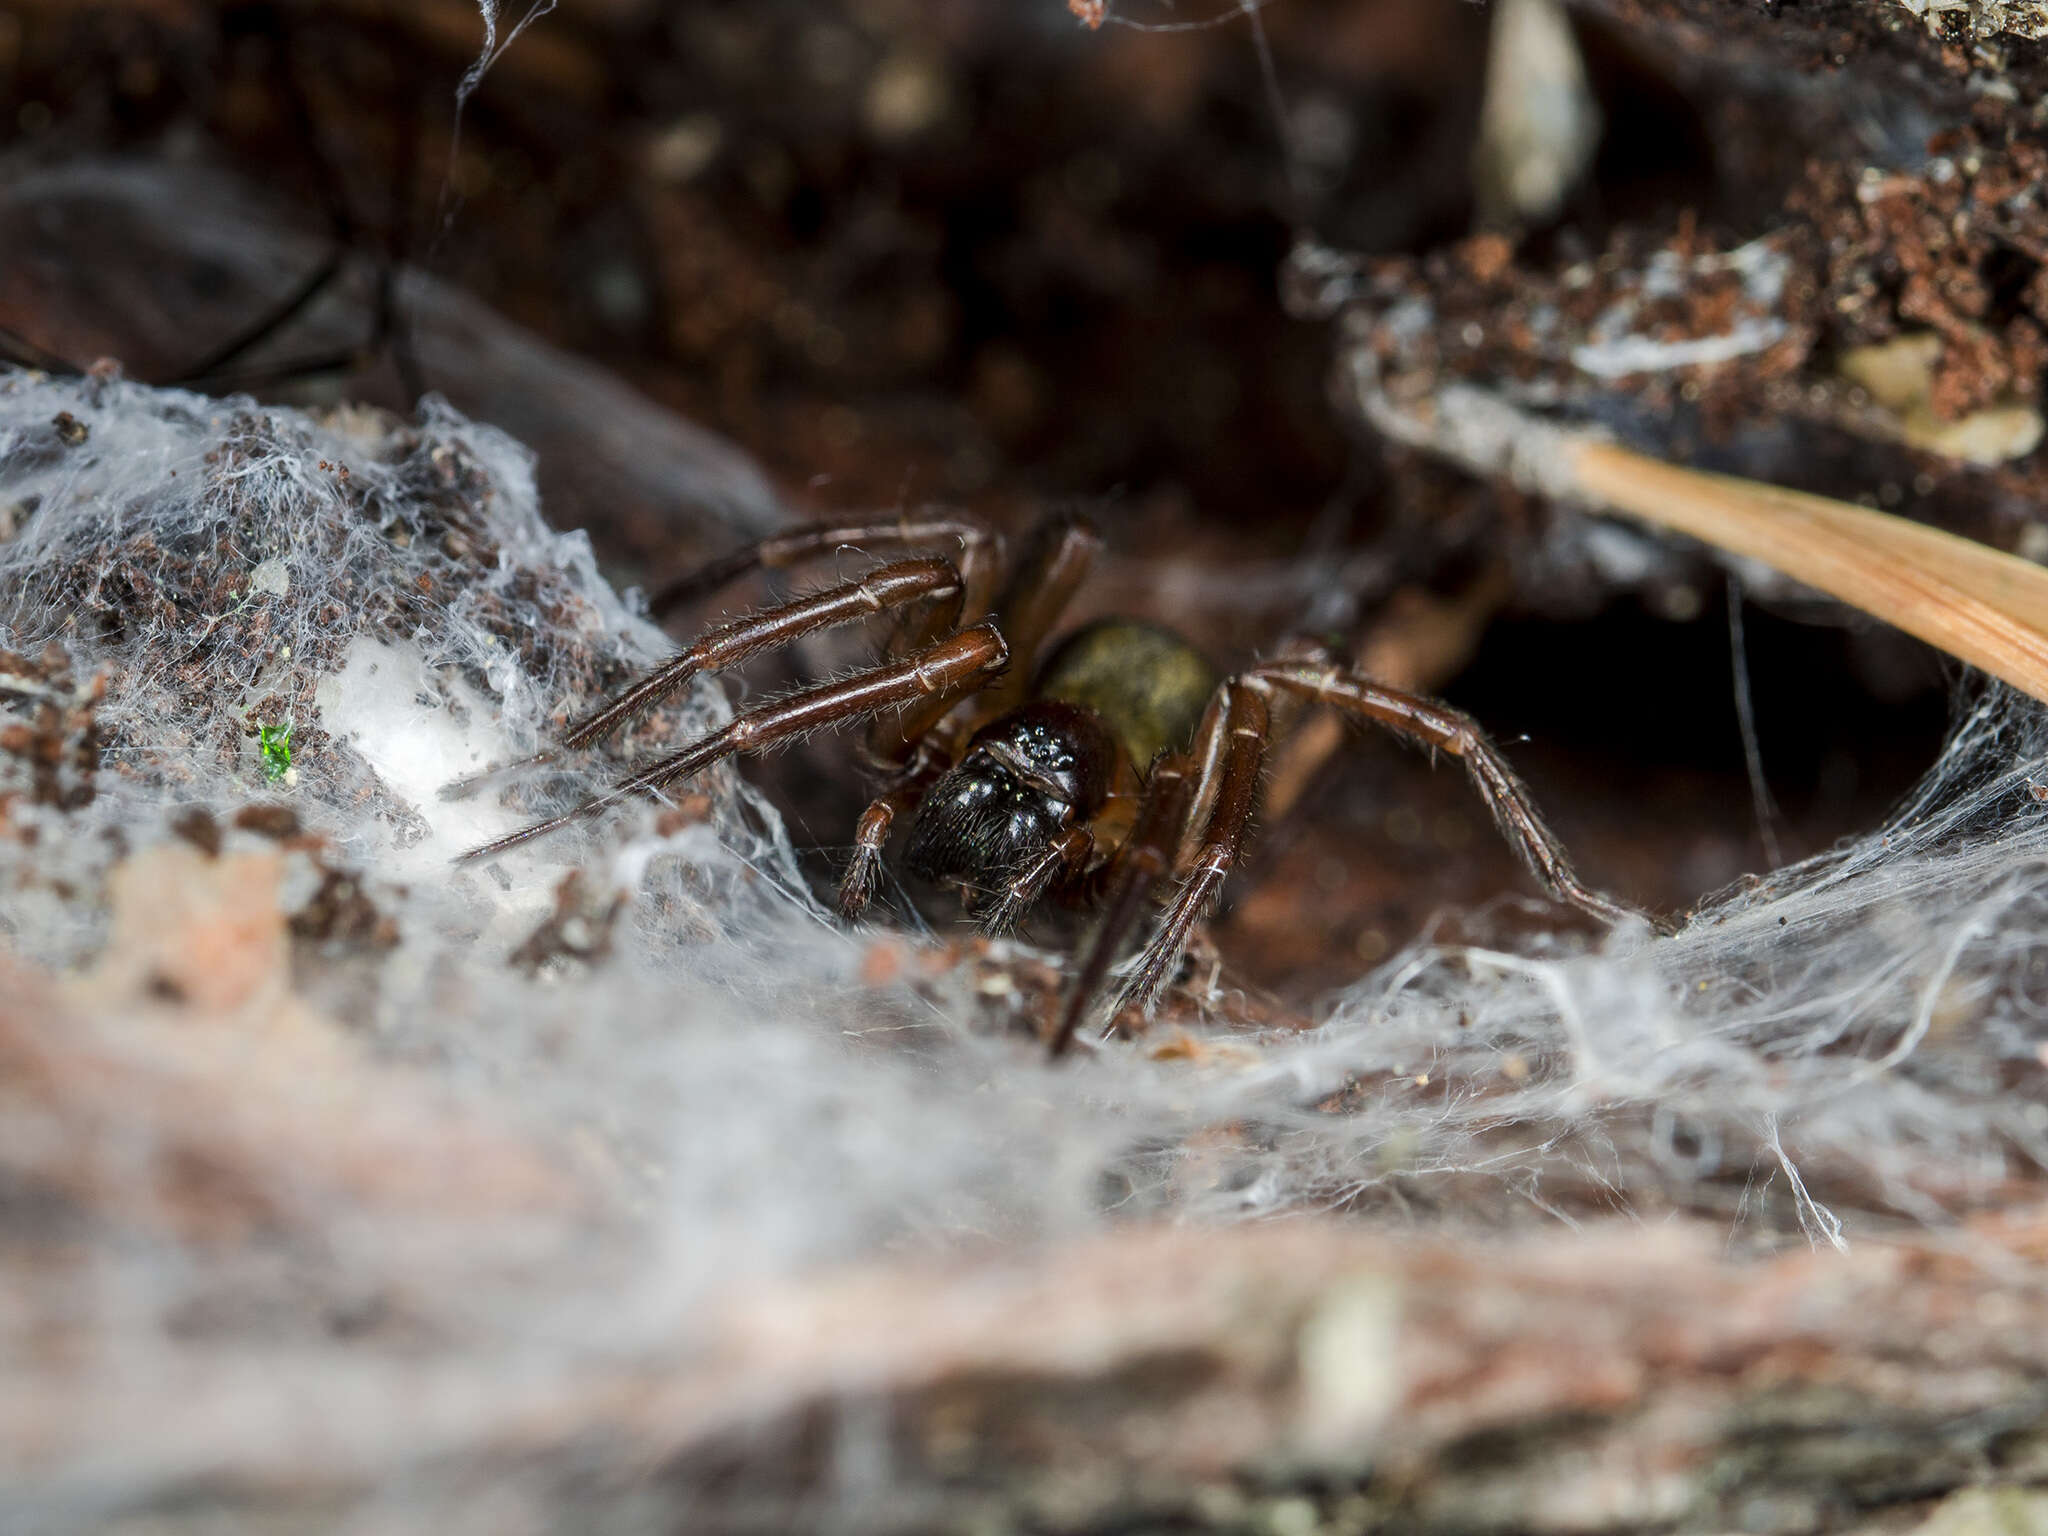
1025, 779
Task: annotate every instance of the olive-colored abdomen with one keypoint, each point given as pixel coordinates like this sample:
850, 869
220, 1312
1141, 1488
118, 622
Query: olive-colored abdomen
1148, 685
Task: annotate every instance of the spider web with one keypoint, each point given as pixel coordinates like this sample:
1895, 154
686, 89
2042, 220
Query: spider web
736, 1091
1817, 1057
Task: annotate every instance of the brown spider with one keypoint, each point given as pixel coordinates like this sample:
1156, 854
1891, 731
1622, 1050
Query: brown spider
1084, 774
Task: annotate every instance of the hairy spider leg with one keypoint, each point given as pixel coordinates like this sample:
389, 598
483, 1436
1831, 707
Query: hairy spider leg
1249, 732
1246, 728
899, 585
902, 584
17, 349
1439, 727
388, 328
1044, 581
1172, 792
1061, 553
955, 662
978, 558
895, 740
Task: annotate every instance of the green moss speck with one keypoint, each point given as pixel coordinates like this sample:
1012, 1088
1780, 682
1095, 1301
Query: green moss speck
276, 744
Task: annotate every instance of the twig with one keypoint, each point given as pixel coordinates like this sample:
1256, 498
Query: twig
1982, 605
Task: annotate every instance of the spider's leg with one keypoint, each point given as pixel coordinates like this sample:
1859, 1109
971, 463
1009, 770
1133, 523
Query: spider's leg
930, 757
391, 329
1054, 565
956, 662
905, 583
1173, 791
17, 349
976, 553
899, 585
388, 332
1068, 854
212, 368
1439, 726
894, 738
1247, 726
1418, 639
1044, 582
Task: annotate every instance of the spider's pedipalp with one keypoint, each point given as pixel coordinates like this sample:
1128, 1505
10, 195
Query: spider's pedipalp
1066, 855
864, 870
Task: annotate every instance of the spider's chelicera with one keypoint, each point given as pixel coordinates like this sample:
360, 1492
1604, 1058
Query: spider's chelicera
1095, 769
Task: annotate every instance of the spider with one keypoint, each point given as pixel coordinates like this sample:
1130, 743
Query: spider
1029, 769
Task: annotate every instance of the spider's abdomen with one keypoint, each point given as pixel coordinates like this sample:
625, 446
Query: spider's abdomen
1147, 684
1023, 780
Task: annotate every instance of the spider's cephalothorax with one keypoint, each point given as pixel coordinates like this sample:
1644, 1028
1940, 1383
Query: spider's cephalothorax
1107, 702
1024, 780
1121, 762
